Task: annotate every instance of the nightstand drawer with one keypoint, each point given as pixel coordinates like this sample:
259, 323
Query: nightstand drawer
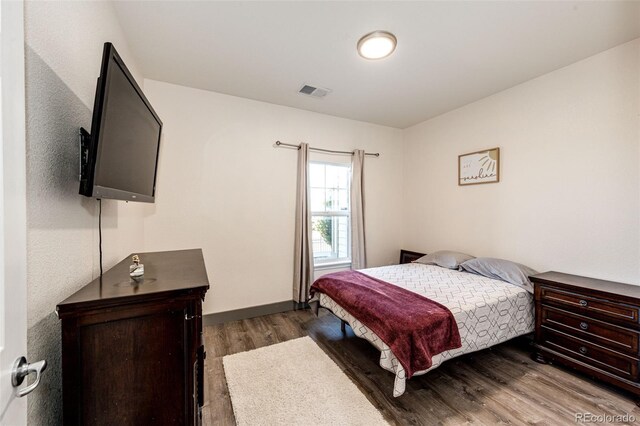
591, 307
614, 362
596, 331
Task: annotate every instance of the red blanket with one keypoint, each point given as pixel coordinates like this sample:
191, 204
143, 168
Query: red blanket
414, 327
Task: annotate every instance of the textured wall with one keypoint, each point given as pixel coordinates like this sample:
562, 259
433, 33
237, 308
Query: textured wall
64, 47
570, 177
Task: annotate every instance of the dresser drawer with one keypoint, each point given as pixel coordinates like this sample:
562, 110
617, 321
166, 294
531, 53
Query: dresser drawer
596, 331
619, 313
614, 362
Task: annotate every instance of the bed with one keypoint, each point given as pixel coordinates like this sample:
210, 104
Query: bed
487, 311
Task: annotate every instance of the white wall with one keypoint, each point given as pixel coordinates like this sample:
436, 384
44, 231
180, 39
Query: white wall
569, 194
64, 47
223, 186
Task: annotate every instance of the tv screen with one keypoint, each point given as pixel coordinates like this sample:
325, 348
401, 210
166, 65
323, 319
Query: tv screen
121, 154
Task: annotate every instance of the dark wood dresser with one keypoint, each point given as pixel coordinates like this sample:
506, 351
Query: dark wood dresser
132, 352
590, 325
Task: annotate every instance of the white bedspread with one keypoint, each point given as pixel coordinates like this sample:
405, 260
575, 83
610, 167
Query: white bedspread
487, 311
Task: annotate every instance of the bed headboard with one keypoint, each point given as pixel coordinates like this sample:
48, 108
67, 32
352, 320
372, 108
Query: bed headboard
407, 256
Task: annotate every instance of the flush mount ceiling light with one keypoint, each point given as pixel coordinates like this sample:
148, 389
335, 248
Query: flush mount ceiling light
377, 45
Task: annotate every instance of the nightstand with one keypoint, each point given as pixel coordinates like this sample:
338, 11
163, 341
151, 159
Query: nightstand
590, 325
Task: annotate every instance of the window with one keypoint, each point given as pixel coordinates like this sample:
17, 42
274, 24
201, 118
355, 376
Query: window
330, 210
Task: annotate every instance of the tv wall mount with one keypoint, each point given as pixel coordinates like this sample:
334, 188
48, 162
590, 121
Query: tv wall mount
84, 139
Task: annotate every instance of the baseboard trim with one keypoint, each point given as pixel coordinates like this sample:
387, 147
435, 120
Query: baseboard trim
252, 312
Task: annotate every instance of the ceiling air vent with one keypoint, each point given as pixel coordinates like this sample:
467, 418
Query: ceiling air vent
316, 92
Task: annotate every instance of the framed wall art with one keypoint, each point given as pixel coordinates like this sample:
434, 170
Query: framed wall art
479, 167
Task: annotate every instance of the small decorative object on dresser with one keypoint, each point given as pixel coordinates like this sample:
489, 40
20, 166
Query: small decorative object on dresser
136, 270
590, 325
407, 256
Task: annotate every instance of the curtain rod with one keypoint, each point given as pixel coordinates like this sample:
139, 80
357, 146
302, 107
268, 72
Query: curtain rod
330, 151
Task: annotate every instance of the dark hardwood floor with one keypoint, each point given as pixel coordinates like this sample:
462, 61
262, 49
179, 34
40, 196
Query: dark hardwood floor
501, 385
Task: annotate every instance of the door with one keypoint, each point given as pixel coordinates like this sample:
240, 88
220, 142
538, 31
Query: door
13, 228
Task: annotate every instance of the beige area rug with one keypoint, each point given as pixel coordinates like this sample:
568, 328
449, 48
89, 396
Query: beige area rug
294, 383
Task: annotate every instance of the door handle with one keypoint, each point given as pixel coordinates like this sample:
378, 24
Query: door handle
21, 369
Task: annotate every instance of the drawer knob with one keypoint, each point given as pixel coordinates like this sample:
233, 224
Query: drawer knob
584, 325
583, 350
583, 303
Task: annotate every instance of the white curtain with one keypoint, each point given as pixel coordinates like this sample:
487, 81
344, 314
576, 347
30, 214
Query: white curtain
358, 252
303, 255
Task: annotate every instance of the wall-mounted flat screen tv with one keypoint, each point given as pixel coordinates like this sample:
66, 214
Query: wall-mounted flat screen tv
119, 159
